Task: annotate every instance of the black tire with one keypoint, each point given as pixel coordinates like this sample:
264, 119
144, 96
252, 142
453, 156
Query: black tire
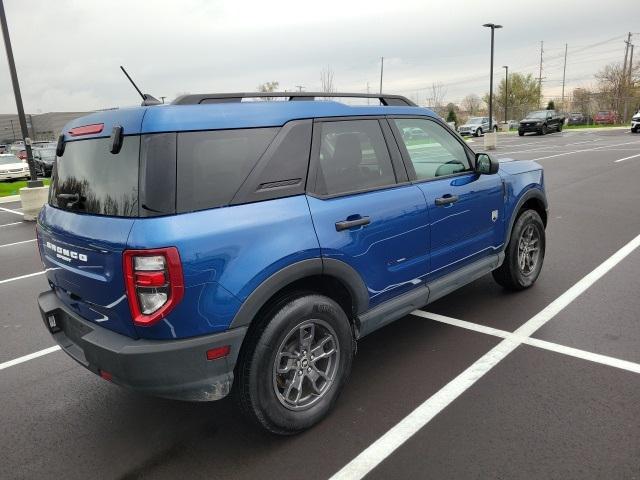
478, 132
495, 129
510, 274
257, 380
560, 125
521, 134
544, 130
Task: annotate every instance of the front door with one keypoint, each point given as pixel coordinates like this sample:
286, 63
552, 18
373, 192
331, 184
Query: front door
465, 209
364, 211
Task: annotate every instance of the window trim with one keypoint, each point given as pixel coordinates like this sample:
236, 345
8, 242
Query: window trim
312, 177
407, 158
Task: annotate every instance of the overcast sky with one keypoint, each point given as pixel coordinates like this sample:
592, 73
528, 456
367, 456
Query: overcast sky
68, 52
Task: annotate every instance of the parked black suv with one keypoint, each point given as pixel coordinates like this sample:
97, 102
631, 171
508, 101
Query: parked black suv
541, 122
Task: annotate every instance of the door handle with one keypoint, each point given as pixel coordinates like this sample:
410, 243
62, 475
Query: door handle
447, 200
357, 222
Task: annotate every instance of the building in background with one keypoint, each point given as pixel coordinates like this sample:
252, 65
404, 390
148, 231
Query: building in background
44, 126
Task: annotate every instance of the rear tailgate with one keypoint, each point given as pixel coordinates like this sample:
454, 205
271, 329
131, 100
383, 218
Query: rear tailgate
83, 257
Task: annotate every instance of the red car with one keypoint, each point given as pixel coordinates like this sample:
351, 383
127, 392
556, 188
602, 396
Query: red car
605, 117
22, 155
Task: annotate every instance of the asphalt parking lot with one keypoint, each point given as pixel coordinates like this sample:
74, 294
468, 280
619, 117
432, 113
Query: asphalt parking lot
481, 384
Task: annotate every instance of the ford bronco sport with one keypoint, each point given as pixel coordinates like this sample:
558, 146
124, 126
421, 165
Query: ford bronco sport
219, 242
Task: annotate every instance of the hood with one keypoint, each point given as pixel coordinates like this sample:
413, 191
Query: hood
13, 166
514, 167
531, 120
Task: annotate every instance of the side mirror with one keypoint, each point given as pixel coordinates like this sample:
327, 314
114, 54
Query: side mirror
485, 165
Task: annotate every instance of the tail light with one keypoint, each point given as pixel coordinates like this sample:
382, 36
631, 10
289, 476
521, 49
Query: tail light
154, 283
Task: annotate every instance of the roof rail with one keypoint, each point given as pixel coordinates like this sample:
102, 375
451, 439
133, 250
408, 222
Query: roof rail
198, 98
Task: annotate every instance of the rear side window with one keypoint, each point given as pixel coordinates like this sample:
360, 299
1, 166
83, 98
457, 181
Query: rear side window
90, 179
211, 166
353, 157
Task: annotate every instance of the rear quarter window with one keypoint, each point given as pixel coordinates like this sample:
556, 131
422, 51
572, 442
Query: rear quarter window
212, 165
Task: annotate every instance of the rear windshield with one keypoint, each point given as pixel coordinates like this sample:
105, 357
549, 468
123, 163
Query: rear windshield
90, 179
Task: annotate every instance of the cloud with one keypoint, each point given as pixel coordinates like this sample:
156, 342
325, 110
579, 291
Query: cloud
68, 52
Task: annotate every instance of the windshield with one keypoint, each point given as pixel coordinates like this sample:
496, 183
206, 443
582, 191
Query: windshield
90, 179
47, 153
9, 159
539, 114
475, 121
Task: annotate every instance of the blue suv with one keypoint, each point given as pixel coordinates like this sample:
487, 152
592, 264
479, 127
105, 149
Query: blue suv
219, 242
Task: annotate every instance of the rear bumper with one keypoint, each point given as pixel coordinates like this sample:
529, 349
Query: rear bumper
176, 369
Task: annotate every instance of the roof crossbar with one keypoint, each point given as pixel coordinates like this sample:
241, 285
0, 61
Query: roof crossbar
200, 98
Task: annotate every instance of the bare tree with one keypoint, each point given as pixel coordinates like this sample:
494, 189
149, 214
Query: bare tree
268, 87
471, 103
436, 97
614, 85
326, 80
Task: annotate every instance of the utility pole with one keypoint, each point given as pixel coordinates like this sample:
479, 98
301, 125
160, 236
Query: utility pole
368, 92
493, 27
34, 182
299, 87
540, 76
623, 80
162, 98
381, 71
506, 91
564, 73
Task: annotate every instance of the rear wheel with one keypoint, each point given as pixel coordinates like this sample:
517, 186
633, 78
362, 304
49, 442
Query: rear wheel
524, 254
520, 133
495, 129
560, 125
295, 363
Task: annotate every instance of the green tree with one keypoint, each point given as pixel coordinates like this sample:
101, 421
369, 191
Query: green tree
551, 105
451, 114
523, 96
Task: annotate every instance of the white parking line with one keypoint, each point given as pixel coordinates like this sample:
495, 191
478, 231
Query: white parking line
580, 151
626, 158
11, 211
31, 356
7, 280
534, 342
9, 224
17, 243
412, 423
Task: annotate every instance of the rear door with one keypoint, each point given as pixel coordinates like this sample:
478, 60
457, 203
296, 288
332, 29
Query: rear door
84, 229
364, 211
465, 209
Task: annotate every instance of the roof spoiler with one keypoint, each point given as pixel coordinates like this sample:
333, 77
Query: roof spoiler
195, 99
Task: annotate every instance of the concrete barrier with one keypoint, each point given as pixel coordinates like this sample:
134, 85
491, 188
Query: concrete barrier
32, 201
490, 141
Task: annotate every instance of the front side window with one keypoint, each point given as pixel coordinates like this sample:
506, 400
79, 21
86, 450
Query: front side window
435, 152
353, 157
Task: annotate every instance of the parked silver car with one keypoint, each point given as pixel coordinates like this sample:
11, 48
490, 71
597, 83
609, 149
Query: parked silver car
477, 126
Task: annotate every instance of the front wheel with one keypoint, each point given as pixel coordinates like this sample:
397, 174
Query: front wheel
495, 129
478, 132
524, 254
543, 130
294, 363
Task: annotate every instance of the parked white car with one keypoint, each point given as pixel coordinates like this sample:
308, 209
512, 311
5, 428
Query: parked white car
11, 167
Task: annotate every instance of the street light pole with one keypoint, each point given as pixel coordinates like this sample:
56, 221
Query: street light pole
34, 182
506, 90
493, 27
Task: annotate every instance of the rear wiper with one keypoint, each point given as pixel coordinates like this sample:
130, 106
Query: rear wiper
72, 197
